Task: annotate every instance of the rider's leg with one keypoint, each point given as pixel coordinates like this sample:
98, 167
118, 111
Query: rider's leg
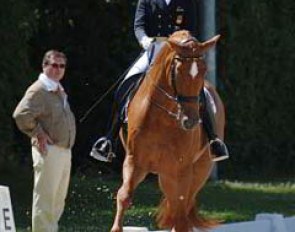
103, 148
217, 146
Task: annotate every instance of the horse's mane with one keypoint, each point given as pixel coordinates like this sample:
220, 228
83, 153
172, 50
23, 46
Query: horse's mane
180, 36
163, 54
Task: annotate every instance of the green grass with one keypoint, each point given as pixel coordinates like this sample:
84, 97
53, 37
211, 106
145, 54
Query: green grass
91, 205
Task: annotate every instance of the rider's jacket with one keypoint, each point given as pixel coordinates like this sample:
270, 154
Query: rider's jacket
154, 18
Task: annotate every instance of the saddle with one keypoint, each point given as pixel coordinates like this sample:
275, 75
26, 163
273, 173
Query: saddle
129, 96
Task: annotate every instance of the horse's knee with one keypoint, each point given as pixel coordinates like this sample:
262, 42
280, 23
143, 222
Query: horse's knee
124, 198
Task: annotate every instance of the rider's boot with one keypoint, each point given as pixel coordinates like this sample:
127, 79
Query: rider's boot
102, 149
217, 146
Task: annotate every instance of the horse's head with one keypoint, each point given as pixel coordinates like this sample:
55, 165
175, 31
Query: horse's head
186, 70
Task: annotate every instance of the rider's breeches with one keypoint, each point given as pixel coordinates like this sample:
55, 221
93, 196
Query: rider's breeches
138, 69
147, 58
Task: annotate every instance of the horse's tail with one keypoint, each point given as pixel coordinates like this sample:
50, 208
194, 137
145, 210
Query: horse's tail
199, 221
165, 215
166, 218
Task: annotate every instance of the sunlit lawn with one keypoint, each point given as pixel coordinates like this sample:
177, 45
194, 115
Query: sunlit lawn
91, 205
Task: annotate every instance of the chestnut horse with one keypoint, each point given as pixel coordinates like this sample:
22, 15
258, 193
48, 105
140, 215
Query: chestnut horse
165, 134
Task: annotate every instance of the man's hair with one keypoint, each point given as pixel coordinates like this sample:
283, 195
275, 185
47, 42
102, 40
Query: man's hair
53, 53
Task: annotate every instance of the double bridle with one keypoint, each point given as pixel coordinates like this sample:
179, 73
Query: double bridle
176, 97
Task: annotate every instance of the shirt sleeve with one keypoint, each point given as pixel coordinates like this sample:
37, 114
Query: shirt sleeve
140, 20
27, 113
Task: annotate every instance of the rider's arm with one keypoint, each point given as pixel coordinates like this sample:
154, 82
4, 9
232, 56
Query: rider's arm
140, 23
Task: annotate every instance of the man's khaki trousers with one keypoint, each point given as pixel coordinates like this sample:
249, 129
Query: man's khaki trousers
51, 182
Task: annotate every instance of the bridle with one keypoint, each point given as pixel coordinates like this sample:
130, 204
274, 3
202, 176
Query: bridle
179, 99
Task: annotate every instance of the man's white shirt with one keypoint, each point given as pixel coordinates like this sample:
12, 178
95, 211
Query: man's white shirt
53, 86
168, 1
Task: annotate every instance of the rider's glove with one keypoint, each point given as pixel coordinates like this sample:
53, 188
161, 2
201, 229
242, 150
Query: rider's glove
146, 42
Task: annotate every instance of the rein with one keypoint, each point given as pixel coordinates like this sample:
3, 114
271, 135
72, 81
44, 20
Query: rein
103, 96
170, 113
177, 98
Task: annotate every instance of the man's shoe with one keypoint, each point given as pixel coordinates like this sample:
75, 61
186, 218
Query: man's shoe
219, 149
102, 150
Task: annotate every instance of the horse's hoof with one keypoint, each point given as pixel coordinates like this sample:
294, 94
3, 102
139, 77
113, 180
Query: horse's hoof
116, 229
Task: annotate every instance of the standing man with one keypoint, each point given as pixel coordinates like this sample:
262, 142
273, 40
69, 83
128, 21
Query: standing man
45, 116
155, 19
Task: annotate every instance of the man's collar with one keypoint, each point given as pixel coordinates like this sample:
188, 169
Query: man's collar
50, 85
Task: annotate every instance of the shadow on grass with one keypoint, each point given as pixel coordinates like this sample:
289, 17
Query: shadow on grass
90, 204
237, 201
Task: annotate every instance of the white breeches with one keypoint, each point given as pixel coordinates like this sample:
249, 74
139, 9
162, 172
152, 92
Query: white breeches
143, 63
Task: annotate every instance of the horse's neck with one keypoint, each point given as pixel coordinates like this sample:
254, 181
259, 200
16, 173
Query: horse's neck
155, 80
157, 75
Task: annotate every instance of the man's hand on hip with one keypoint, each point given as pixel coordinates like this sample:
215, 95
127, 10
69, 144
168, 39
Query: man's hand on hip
42, 141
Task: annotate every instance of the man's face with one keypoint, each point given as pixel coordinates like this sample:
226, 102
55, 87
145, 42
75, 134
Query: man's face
55, 69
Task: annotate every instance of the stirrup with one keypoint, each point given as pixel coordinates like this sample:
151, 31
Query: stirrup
104, 152
218, 156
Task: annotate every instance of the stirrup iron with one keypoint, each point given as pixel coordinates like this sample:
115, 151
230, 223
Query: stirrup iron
97, 153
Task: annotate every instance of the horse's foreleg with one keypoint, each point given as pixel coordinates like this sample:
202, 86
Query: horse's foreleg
132, 176
172, 212
201, 172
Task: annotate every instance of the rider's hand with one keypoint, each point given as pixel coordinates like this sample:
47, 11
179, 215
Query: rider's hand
146, 42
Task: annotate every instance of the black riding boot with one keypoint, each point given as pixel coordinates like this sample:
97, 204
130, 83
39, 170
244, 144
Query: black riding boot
102, 149
217, 146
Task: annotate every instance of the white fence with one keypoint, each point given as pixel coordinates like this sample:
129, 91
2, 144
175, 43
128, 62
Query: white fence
263, 223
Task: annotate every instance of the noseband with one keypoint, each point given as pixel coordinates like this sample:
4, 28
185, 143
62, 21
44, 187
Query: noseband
176, 97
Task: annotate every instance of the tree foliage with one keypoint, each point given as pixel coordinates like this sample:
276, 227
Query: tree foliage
17, 26
255, 57
259, 65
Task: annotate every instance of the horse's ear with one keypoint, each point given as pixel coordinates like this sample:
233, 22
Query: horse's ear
176, 46
205, 46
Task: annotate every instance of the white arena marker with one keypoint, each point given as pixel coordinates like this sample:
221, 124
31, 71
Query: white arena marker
6, 215
135, 229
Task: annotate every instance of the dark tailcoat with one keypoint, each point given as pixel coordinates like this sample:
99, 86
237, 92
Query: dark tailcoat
156, 18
